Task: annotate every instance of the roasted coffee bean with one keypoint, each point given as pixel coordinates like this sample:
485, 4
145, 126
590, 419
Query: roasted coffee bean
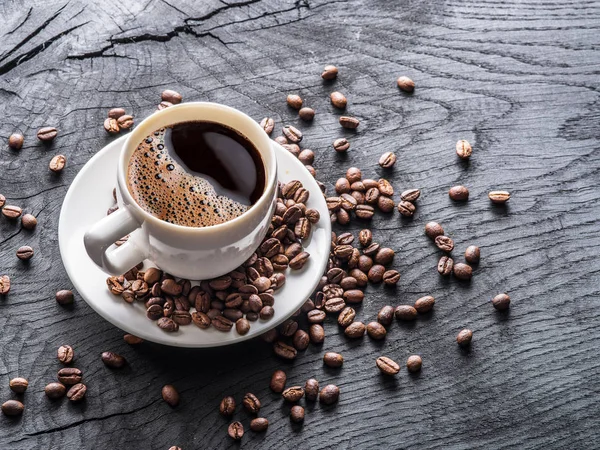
293, 394
170, 287
387, 366
306, 157
353, 174
312, 215
288, 328
329, 394
501, 302
348, 283
499, 196
350, 123
391, 277
333, 359
270, 336
299, 261
47, 134
348, 202
251, 403
407, 209
4, 284
115, 113
18, 385
387, 160
341, 145
358, 186
201, 320
15, 141
385, 187
185, 318
414, 363
301, 340
384, 256
365, 237
329, 73
163, 105
458, 193
169, 325
335, 275
342, 217
297, 414
463, 271
371, 196
12, 212
12, 408
284, 351
111, 125
360, 277
375, 274
410, 195
57, 163
266, 312
278, 380
342, 186
132, 340
294, 101
289, 189
292, 215
464, 337
255, 303
316, 332
154, 312
227, 406
433, 230
222, 323
424, 304
70, 375
125, 122
376, 331
405, 312
307, 114
355, 330
171, 96
445, 265
346, 316
444, 243
364, 212
316, 316
338, 100
386, 315
64, 297
359, 197
55, 390
385, 204
267, 124
343, 251
259, 424
472, 254
333, 203
28, 221
113, 360
236, 431
302, 228
354, 296
292, 148
293, 134
406, 84
281, 140
65, 354
170, 395
463, 149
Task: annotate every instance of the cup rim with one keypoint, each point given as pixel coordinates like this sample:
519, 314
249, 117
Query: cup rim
151, 123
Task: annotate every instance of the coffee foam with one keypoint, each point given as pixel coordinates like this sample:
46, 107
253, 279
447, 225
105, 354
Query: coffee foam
164, 189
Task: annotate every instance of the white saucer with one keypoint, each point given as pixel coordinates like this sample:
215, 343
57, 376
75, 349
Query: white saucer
86, 202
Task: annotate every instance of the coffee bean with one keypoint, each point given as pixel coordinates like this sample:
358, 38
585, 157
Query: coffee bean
341, 145
444, 243
406, 84
353, 174
15, 141
424, 304
281, 140
28, 221
132, 340
4, 284
375, 274
57, 164
251, 403
458, 193
360, 277
354, 296
227, 406
171, 96
445, 265
472, 254
115, 113
499, 196
338, 100
18, 385
365, 237
329, 394
386, 315
413, 363
333, 359
297, 414
391, 277
70, 375
55, 390
346, 317
329, 73
64, 297
222, 323
387, 366
371, 196
348, 202
164, 105
410, 195
348, 283
307, 114
12, 212
113, 360
284, 351
47, 134
350, 123
501, 302
405, 312
306, 157
407, 209
299, 261
111, 126
278, 380
376, 331
385, 187
65, 354
25, 253
463, 149
433, 230
354, 331
464, 337
316, 332
364, 212
170, 287
387, 160
236, 431
292, 134
242, 326
259, 424
384, 256
170, 395
125, 122
316, 316
169, 325
267, 124
463, 271
293, 394
294, 101
12, 408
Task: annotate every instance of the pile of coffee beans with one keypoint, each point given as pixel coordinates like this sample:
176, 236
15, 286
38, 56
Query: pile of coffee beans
447, 265
117, 120
69, 378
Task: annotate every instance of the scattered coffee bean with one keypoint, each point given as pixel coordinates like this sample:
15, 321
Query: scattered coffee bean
350, 123
445, 265
385, 187
292, 134
433, 230
47, 134
346, 317
384, 256
329, 394
227, 406
391, 277
294, 101
115, 113
338, 100
25, 253
463, 271
376, 331
125, 122
333, 359
170, 395
278, 380
12, 212
501, 302
301, 339
444, 243
236, 431
458, 193
405, 312
387, 366
375, 274
329, 73
18, 385
111, 126
365, 237
386, 315
284, 351
472, 254
164, 105
267, 124
293, 394
12, 408
28, 221
463, 149
365, 212
307, 114
407, 209
55, 390
171, 96
354, 331
464, 337
15, 141
64, 297
4, 284
70, 375
316, 333
251, 403
354, 296
387, 160
341, 145
297, 414
259, 424
499, 197
424, 304
311, 389
113, 360
413, 363
132, 340
65, 354
410, 195
406, 84
57, 164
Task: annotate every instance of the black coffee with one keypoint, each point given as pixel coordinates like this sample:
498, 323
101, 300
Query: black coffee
196, 174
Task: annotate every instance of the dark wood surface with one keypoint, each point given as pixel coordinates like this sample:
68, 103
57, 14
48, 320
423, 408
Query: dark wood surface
519, 80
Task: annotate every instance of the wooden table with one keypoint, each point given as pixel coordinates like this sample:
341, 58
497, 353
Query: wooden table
519, 80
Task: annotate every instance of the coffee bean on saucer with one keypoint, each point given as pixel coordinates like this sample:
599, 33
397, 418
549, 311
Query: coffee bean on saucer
424, 304
350, 123
115, 113
464, 337
406, 84
458, 193
242, 326
294, 101
444, 243
163, 105
132, 340
125, 122
168, 324
329, 394
445, 265
57, 164
329, 73
333, 359
12, 408
341, 145
12, 212
414, 363
278, 380
405, 313
236, 431
113, 360
76, 393
70, 375
171, 287
25, 253
387, 160
387, 366
433, 230
292, 134
281, 140
55, 390
259, 424
18, 385
64, 297
111, 126
170, 395
15, 141
251, 403
227, 406
65, 354
463, 149
28, 221
267, 124
171, 96
499, 197
338, 100
297, 414
47, 134
4, 284
462, 271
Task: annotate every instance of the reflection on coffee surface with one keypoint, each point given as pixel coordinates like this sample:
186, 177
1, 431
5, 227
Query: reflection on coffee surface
196, 174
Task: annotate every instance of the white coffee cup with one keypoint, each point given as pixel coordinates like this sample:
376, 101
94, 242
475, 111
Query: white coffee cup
187, 252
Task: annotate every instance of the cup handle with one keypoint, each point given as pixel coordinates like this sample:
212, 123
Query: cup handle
98, 239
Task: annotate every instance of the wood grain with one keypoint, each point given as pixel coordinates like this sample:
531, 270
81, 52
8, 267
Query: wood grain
519, 80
